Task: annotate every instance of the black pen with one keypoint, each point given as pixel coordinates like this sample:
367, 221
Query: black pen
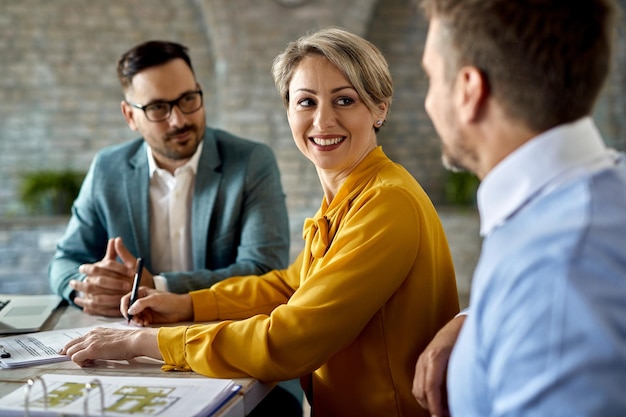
135, 293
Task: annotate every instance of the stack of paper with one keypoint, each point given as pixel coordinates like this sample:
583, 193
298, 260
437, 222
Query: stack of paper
43, 347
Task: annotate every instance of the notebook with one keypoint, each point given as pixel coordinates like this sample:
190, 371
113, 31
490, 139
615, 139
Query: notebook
119, 396
25, 313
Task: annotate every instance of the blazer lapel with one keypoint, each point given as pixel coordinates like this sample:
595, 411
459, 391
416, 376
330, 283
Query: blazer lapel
208, 179
136, 187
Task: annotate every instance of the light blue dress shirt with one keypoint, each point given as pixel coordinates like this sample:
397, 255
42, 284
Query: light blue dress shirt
546, 331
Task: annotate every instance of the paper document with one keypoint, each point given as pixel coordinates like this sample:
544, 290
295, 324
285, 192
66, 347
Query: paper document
43, 347
119, 396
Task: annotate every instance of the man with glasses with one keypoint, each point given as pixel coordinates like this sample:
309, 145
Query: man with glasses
197, 204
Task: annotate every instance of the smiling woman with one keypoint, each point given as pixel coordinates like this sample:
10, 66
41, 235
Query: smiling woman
331, 125
372, 286
335, 105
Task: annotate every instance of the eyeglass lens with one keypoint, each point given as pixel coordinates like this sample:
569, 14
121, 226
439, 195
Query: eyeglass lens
188, 103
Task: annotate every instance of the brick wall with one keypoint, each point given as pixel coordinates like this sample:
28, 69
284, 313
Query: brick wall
59, 96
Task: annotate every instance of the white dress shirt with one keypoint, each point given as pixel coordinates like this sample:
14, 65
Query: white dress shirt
171, 197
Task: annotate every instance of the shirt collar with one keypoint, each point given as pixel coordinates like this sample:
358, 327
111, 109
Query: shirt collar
532, 167
191, 164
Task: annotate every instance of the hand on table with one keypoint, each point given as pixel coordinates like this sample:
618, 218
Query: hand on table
152, 306
113, 344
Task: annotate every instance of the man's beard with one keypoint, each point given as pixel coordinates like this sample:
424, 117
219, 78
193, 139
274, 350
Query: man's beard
451, 158
451, 164
171, 152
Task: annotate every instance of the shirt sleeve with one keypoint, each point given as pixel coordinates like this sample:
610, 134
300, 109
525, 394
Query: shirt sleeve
160, 283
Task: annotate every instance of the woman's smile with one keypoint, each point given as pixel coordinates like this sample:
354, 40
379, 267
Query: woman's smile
327, 143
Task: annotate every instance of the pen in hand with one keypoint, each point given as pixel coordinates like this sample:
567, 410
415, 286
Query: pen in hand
135, 292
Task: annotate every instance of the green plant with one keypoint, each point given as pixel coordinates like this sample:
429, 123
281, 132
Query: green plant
49, 192
460, 188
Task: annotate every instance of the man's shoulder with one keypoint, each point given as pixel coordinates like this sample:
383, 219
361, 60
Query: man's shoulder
230, 141
235, 150
120, 151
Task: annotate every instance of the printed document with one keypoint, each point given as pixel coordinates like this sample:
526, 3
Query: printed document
43, 347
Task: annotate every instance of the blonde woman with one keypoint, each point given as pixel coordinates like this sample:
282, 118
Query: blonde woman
372, 286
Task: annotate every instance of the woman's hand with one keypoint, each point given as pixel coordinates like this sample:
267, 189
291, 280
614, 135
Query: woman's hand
154, 306
103, 343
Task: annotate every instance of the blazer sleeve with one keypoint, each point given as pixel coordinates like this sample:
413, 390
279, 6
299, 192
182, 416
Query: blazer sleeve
84, 240
101, 210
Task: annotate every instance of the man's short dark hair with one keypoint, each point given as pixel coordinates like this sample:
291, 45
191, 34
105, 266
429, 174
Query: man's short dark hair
545, 60
146, 55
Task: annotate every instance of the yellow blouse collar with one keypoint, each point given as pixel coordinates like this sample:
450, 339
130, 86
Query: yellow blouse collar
319, 231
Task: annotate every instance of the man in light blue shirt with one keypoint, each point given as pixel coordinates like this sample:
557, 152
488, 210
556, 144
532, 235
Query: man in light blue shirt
512, 85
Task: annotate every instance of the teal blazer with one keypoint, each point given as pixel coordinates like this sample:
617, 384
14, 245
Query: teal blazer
239, 217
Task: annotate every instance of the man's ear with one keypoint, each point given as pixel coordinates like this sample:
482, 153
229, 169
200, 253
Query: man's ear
472, 90
129, 113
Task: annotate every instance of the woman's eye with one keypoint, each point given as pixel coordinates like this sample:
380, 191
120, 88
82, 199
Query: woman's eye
305, 102
345, 101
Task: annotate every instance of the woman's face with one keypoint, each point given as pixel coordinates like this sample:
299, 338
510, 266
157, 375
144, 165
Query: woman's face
329, 122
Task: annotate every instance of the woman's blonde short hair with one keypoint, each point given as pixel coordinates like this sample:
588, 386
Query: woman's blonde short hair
360, 61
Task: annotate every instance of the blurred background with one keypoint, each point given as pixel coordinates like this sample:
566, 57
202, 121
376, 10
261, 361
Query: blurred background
60, 104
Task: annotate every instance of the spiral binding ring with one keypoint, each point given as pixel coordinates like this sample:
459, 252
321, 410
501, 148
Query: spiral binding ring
29, 387
89, 386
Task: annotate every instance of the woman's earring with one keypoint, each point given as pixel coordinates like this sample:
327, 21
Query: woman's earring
379, 123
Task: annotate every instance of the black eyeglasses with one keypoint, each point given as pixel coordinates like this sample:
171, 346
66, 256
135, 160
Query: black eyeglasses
161, 110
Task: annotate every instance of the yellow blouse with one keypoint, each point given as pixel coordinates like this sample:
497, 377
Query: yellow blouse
350, 316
